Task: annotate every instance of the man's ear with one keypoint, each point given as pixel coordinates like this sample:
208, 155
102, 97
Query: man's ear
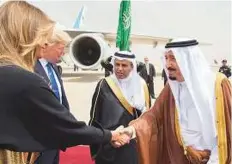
42, 49
132, 66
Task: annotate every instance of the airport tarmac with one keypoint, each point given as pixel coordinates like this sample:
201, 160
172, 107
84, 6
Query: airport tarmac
80, 86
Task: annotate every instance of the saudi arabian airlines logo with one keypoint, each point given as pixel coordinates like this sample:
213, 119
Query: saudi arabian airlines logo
127, 19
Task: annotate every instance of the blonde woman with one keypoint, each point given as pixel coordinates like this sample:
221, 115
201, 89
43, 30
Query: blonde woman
32, 120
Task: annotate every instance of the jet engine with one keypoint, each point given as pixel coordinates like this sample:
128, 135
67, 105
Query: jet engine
87, 50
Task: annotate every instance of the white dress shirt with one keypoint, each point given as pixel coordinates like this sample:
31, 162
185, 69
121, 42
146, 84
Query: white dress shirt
147, 67
44, 65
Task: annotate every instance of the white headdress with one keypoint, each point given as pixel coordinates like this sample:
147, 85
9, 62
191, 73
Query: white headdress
200, 81
131, 87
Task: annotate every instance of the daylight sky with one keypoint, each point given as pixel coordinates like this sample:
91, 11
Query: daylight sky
208, 21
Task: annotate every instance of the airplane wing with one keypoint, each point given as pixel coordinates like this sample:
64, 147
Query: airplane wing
111, 37
135, 38
88, 48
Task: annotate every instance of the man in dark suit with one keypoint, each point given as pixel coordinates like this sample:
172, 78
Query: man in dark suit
226, 70
106, 64
46, 67
148, 73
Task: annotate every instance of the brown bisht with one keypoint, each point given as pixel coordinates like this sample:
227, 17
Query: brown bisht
157, 137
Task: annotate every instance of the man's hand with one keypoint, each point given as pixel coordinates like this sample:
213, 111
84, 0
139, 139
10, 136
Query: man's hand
116, 134
126, 134
120, 137
198, 156
129, 131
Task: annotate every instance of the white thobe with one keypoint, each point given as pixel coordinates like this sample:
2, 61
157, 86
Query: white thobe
190, 123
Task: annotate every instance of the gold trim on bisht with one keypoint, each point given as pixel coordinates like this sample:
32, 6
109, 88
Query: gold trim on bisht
221, 122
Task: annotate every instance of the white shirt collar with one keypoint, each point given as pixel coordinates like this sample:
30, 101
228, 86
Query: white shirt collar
44, 62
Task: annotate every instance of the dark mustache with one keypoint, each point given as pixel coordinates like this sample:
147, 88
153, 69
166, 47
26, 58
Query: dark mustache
171, 69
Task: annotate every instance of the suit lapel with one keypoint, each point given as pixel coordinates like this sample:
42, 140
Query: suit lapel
40, 70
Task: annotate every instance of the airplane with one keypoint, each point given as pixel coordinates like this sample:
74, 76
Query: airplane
88, 48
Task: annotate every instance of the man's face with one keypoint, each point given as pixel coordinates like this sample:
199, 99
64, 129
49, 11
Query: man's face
224, 63
53, 53
172, 67
146, 60
122, 68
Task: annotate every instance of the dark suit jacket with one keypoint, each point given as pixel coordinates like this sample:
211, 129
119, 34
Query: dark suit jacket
33, 120
40, 70
152, 73
225, 70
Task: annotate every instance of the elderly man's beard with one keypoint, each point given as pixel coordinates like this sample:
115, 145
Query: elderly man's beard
171, 77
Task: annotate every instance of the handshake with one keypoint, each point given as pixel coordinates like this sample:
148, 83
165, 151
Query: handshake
122, 136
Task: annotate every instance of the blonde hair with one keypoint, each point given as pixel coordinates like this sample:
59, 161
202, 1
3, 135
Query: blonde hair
59, 36
23, 28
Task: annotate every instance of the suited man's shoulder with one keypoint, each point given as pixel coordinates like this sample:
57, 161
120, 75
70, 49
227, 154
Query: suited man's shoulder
37, 64
151, 64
